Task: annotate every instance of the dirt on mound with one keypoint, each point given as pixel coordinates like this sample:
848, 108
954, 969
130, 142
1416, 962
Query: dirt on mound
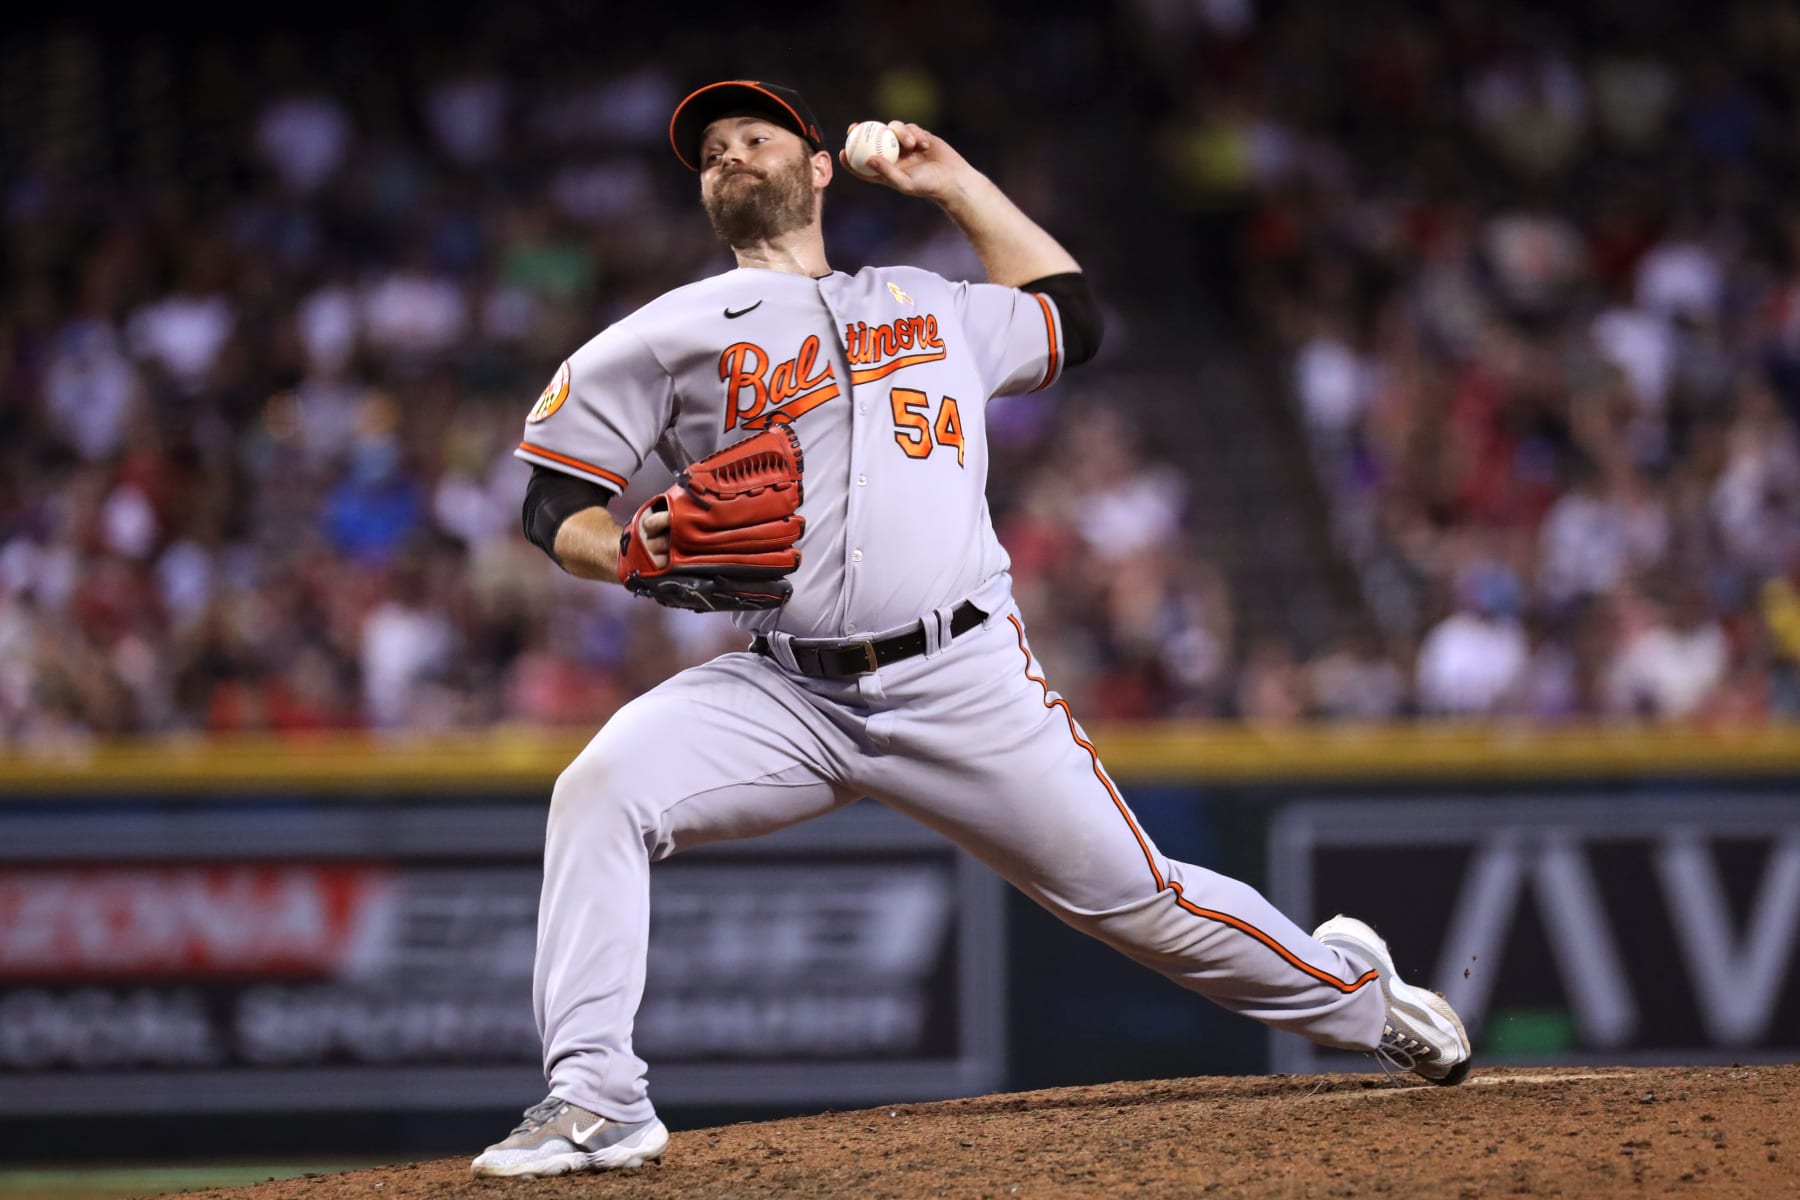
1713, 1131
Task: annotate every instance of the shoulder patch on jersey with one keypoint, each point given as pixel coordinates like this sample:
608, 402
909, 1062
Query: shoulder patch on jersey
899, 295
553, 397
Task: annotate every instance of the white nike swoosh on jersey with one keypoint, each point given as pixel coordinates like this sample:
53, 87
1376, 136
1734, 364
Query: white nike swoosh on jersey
582, 1135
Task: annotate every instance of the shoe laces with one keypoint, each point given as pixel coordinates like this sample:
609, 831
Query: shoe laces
1401, 1051
538, 1114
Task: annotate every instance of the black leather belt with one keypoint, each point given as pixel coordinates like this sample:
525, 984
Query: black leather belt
859, 656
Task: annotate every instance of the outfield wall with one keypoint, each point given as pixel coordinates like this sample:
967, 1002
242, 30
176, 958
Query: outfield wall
263, 928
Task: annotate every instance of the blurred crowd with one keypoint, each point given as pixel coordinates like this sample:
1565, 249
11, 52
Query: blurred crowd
271, 314
272, 311
1535, 275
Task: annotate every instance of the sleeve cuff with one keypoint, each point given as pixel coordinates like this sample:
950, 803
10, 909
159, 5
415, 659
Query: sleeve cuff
555, 460
1053, 366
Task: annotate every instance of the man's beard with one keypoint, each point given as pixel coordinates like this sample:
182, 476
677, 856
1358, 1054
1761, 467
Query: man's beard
746, 211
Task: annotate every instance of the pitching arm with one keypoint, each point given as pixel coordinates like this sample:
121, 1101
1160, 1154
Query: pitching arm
1014, 249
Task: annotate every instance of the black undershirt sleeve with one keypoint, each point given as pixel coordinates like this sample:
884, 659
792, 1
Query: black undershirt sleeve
552, 497
1082, 326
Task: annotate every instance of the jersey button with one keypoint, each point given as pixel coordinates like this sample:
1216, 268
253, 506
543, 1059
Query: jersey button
856, 556
850, 629
862, 481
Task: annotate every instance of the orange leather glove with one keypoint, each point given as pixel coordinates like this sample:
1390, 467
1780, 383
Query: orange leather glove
733, 520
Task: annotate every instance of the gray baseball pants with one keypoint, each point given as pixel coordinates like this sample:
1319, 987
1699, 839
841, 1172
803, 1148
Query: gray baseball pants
966, 739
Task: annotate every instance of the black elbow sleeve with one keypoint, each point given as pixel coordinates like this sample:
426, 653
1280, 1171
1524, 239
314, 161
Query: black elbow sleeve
551, 497
1082, 325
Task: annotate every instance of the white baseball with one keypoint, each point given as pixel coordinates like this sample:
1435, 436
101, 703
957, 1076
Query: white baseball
868, 139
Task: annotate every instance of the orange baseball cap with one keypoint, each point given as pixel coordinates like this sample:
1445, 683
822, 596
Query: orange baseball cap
736, 97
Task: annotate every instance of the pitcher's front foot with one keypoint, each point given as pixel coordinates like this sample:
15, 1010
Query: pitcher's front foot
1423, 1034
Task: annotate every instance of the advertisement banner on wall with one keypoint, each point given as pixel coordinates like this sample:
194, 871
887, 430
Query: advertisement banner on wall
1568, 929
364, 957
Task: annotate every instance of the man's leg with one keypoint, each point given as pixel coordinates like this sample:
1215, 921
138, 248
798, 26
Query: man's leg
981, 750
727, 749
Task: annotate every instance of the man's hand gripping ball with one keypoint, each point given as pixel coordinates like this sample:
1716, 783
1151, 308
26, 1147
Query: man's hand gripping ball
733, 521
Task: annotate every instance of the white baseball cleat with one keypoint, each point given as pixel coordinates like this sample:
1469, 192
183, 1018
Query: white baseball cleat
1423, 1034
558, 1138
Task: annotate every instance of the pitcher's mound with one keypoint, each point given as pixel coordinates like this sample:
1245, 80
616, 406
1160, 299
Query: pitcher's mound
1578, 1132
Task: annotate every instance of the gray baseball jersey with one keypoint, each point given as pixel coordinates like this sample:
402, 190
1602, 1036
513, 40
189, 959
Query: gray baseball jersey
885, 375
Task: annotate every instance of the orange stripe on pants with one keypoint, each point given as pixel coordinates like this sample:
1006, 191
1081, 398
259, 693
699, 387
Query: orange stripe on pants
1166, 885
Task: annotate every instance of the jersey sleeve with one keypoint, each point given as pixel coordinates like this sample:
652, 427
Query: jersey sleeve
1016, 336
603, 413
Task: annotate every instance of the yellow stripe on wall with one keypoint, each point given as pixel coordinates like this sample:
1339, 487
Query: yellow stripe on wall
1180, 752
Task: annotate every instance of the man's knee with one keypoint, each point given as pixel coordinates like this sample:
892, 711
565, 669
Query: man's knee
605, 787
1156, 932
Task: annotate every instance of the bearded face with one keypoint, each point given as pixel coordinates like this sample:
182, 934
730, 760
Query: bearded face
748, 205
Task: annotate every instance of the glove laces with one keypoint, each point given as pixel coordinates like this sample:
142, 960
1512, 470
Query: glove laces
694, 494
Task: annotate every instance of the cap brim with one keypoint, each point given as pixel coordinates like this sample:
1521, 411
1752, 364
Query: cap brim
716, 100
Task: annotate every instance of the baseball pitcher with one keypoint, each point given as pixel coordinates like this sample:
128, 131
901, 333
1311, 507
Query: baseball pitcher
827, 431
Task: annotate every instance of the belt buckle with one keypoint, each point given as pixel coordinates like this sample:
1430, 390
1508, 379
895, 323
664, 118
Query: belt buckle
868, 649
